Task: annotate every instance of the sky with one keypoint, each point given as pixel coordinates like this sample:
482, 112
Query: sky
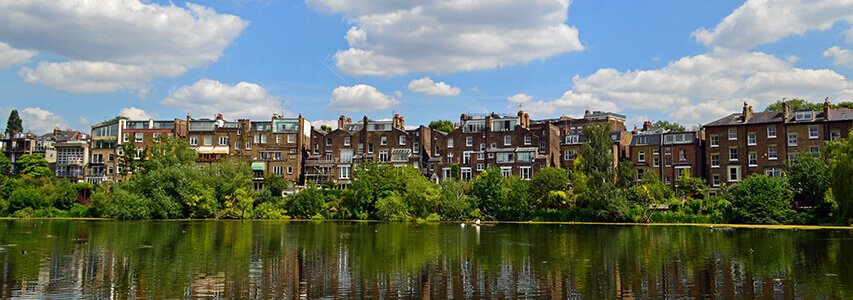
73, 63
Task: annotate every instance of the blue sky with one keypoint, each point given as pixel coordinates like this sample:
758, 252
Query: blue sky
70, 64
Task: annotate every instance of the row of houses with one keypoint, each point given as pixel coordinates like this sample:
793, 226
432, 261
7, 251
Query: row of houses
723, 151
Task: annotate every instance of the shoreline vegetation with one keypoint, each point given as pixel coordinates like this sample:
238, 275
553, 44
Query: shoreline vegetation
169, 184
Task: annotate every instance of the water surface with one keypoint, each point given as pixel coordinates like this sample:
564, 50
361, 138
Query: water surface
334, 260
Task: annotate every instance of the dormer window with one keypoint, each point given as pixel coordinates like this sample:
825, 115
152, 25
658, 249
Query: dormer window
804, 115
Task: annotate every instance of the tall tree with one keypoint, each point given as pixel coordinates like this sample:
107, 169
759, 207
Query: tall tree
547, 180
671, 126
442, 125
809, 178
761, 199
127, 159
34, 165
605, 198
840, 153
14, 124
795, 104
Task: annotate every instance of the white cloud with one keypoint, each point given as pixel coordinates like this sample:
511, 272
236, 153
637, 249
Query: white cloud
360, 97
759, 22
427, 86
134, 113
840, 57
41, 121
10, 56
84, 123
399, 37
117, 44
331, 123
570, 103
207, 97
520, 98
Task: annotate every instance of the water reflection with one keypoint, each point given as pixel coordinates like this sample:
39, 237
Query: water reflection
262, 260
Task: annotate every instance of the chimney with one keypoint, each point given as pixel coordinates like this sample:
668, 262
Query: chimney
786, 109
219, 117
526, 120
402, 123
826, 108
396, 121
746, 111
349, 121
342, 121
647, 125
57, 130
489, 122
274, 116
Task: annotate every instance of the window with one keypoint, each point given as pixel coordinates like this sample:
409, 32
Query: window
278, 139
682, 155
813, 132
447, 173
507, 140
208, 140
383, 140
97, 158
667, 151
223, 140
289, 170
526, 156
715, 140
450, 143
291, 138
277, 155
803, 115
640, 173
734, 174
347, 141
126, 137
814, 150
481, 167
641, 156
772, 152
402, 140
277, 170
138, 154
466, 158
792, 139
528, 140
505, 157
715, 180
525, 173
469, 141
263, 139
733, 154
667, 161
753, 159
572, 139
771, 131
656, 151
773, 172
732, 134
237, 146
834, 135
680, 172
715, 160
482, 146
248, 145
328, 141
416, 148
370, 148
360, 148
494, 145
481, 155
383, 155
751, 139
570, 154
193, 140
656, 161
466, 174
344, 172
346, 156
792, 157
139, 137
506, 171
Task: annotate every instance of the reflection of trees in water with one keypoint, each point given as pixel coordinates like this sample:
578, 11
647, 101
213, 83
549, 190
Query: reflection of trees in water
370, 260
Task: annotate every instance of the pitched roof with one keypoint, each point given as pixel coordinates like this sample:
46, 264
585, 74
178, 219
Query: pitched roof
755, 118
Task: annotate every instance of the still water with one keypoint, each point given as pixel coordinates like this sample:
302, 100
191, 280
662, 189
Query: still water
291, 260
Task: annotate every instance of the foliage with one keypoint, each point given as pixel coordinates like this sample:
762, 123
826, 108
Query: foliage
545, 181
650, 191
14, 123
34, 165
454, 202
840, 154
761, 199
670, 126
275, 185
486, 188
27, 196
326, 128
809, 178
127, 160
795, 104
239, 205
625, 174
848, 105
306, 203
602, 193
516, 202
5, 163
691, 187
392, 208
442, 125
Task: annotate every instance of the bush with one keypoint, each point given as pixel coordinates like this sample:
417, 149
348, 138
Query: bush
79, 211
761, 199
25, 197
454, 203
270, 211
433, 217
28, 212
305, 204
393, 208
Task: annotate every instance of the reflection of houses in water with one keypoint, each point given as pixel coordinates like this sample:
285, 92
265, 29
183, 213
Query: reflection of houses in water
209, 286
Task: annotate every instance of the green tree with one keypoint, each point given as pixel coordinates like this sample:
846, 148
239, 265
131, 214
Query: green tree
325, 128
795, 104
169, 152
127, 160
372, 181
14, 123
420, 194
579, 182
486, 188
625, 174
455, 203
809, 178
275, 185
848, 105
5, 163
605, 199
442, 125
34, 165
516, 203
650, 190
306, 203
840, 154
671, 126
27, 196
392, 208
239, 204
691, 187
545, 181
761, 199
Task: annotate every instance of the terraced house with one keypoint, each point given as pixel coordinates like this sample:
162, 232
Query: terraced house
749, 142
107, 140
667, 155
572, 137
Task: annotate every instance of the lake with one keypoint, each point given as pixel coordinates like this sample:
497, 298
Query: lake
311, 260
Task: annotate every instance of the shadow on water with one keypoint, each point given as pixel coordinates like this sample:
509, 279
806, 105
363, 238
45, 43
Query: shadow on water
233, 259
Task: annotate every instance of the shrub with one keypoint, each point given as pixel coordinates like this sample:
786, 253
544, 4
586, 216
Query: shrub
433, 217
393, 208
305, 204
25, 197
761, 199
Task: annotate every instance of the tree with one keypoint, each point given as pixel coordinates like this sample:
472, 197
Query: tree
625, 174
454, 202
650, 191
547, 180
5, 163
239, 204
606, 200
326, 128
671, 126
840, 154
442, 125
127, 160
420, 194
486, 188
691, 187
34, 165
14, 124
809, 178
516, 203
275, 185
371, 181
761, 199
848, 105
795, 104
170, 151
306, 203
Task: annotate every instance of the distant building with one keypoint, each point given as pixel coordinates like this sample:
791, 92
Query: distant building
667, 155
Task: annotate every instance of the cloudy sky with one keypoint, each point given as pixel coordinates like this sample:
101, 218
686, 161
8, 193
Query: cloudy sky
71, 63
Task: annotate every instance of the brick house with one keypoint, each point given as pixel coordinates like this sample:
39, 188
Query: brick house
572, 138
16, 145
666, 154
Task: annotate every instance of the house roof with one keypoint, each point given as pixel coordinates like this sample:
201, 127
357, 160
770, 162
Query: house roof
755, 118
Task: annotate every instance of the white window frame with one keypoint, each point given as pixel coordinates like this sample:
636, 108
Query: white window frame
774, 155
223, 140
139, 137
507, 140
814, 132
737, 174
715, 160
524, 172
795, 138
449, 143
771, 135
193, 140
347, 141
733, 156
402, 140
344, 172
383, 140
641, 156
528, 140
733, 134
506, 171
752, 159
469, 141
751, 139
715, 140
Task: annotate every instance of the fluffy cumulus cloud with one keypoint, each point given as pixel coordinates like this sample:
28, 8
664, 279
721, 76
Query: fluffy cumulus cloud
840, 56
134, 113
10, 56
759, 22
113, 45
427, 86
41, 121
318, 123
570, 103
207, 97
360, 97
398, 37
